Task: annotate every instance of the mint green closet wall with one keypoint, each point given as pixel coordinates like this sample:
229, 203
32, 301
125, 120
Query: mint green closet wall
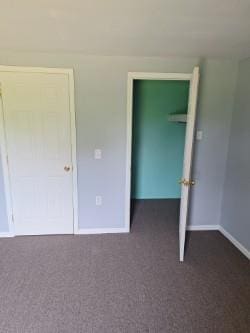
157, 145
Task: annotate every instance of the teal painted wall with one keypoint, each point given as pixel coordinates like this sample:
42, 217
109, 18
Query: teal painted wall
158, 145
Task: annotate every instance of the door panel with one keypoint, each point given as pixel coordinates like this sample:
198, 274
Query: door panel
186, 182
37, 125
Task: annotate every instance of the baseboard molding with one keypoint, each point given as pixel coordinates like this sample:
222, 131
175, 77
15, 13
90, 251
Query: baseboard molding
224, 233
235, 242
203, 227
86, 231
6, 234
89, 231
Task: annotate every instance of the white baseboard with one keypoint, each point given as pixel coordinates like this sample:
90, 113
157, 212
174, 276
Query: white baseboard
203, 227
90, 231
235, 242
87, 231
6, 234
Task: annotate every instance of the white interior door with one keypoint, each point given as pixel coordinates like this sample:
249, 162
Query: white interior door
38, 138
186, 181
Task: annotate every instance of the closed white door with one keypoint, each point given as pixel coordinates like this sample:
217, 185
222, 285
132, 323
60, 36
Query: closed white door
186, 181
38, 138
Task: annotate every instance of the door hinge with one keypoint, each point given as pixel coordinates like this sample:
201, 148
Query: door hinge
7, 159
12, 217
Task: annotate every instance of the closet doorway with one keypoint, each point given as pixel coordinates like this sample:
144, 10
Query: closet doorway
160, 131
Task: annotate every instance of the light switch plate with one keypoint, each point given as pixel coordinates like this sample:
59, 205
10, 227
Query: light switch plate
199, 135
98, 154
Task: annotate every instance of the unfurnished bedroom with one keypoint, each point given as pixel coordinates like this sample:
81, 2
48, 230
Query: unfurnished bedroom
124, 166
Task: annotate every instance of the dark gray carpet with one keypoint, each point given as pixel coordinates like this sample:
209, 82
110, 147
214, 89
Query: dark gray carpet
125, 283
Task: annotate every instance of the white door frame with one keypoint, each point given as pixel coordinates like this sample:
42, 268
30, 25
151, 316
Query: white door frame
131, 77
3, 145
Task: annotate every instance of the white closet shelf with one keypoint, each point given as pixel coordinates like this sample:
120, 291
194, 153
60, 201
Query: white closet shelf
178, 118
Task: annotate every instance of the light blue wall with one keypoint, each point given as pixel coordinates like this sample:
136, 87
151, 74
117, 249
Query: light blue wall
215, 107
235, 214
158, 145
101, 101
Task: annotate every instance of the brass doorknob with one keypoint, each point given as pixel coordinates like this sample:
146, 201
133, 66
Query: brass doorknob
66, 168
186, 182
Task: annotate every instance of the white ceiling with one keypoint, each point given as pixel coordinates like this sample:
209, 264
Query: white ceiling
128, 27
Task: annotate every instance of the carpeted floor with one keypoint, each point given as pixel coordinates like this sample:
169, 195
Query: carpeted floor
128, 283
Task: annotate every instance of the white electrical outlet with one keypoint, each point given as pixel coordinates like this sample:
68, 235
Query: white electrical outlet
199, 135
98, 154
98, 200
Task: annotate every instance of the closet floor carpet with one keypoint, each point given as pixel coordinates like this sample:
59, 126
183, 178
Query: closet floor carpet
128, 283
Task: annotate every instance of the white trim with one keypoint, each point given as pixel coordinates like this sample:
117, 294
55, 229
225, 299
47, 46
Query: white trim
3, 146
73, 147
159, 76
235, 242
131, 77
91, 231
35, 69
203, 227
6, 172
6, 234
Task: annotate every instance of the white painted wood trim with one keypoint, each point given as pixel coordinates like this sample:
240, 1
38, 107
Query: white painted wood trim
6, 172
160, 76
3, 146
36, 69
73, 147
131, 77
93, 231
235, 242
203, 227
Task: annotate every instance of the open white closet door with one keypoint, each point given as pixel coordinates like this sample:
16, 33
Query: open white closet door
186, 182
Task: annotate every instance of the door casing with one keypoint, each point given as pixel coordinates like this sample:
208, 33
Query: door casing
131, 77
